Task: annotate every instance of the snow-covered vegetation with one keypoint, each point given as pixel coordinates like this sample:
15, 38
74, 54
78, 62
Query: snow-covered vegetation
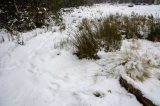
41, 67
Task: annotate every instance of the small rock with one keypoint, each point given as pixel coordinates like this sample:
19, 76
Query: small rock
109, 91
98, 94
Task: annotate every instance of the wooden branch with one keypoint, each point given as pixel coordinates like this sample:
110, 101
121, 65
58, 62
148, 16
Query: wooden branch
16, 6
136, 92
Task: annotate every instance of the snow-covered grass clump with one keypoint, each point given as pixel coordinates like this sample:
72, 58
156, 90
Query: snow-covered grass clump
136, 59
135, 65
139, 64
148, 59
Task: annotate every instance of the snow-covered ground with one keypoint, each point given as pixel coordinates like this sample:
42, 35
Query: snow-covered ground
102, 10
41, 74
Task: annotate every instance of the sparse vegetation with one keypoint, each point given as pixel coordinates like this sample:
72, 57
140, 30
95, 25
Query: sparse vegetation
64, 43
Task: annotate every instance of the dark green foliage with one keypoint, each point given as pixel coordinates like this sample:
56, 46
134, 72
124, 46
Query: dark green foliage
24, 15
76, 3
55, 5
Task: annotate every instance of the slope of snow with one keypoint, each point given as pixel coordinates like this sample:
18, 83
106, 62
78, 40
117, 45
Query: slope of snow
39, 74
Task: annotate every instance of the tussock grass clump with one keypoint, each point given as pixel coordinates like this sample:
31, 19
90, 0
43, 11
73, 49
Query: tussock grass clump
85, 41
154, 34
63, 44
95, 34
107, 33
136, 65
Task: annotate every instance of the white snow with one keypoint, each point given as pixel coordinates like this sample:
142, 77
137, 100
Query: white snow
102, 10
41, 74
38, 75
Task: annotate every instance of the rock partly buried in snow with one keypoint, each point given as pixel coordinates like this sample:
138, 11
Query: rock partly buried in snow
98, 94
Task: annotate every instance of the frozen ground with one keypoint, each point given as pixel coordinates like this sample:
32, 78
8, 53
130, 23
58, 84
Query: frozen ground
102, 10
40, 74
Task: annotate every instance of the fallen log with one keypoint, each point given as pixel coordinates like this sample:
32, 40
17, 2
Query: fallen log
143, 100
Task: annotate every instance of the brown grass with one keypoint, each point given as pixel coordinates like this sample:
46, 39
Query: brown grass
107, 33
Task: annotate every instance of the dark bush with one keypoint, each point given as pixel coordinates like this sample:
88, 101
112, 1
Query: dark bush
76, 3
109, 34
154, 34
85, 41
24, 15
